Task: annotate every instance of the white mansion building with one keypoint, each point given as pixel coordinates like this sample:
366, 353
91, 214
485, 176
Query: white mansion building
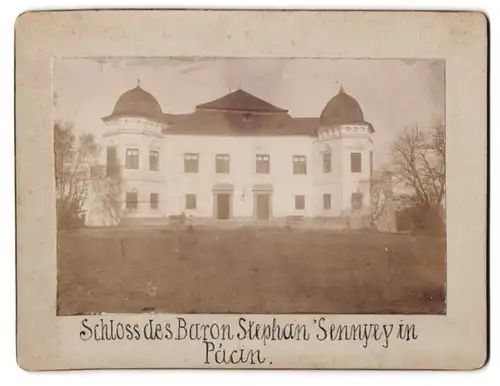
237, 157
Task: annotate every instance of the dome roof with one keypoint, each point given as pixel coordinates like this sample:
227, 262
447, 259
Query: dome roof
137, 102
341, 109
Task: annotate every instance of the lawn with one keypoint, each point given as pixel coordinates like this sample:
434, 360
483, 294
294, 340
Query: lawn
248, 270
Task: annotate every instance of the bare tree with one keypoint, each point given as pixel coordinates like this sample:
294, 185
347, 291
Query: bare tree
419, 164
419, 167
71, 167
105, 186
380, 193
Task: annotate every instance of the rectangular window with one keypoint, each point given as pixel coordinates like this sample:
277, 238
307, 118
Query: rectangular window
300, 202
327, 162
131, 200
356, 200
191, 163
154, 160
111, 162
327, 201
154, 200
190, 201
262, 163
355, 162
222, 163
299, 164
132, 158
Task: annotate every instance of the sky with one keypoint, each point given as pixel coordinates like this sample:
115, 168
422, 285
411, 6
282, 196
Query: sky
393, 93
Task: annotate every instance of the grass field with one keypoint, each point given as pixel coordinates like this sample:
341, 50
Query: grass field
248, 270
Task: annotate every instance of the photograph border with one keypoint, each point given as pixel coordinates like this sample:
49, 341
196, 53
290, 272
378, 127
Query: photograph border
164, 224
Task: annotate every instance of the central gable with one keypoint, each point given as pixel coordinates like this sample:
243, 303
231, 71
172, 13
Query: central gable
240, 100
240, 113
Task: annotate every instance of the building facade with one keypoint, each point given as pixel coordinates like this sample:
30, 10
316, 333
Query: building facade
237, 157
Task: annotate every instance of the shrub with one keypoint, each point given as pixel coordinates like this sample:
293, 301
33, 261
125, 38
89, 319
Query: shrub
69, 215
422, 220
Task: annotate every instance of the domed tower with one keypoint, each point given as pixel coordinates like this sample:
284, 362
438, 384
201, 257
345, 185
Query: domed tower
343, 149
133, 142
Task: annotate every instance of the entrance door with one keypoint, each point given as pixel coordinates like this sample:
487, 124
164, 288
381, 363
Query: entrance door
223, 206
263, 202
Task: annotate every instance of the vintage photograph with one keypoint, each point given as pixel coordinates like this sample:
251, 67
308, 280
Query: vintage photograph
201, 185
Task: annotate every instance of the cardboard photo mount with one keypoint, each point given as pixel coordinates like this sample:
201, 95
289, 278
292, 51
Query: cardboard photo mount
456, 340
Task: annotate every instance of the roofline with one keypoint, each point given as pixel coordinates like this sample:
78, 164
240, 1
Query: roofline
272, 108
276, 135
277, 111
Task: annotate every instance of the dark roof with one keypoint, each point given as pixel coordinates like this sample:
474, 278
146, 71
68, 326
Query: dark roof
342, 109
238, 113
240, 123
172, 119
240, 100
137, 103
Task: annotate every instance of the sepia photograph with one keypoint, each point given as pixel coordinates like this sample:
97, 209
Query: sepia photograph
247, 185
301, 190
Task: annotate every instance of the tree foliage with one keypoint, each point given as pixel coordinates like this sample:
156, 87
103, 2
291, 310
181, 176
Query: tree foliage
72, 157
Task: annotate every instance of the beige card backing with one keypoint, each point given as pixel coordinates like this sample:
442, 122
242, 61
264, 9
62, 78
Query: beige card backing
456, 340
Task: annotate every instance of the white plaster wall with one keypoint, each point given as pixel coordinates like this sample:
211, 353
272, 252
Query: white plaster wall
242, 152
327, 183
355, 182
145, 136
172, 183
